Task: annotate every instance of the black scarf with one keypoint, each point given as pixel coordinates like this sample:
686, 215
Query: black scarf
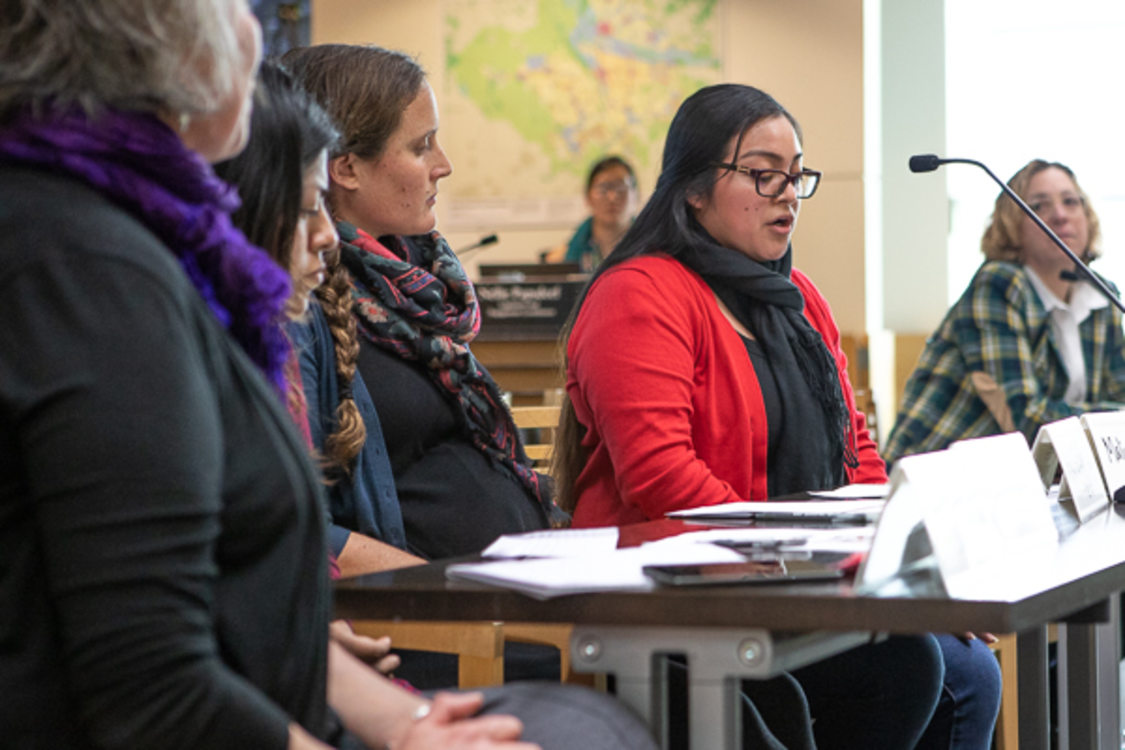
815, 440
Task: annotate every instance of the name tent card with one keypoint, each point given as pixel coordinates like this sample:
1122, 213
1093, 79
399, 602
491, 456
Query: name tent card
979, 506
1066, 445
900, 543
1106, 430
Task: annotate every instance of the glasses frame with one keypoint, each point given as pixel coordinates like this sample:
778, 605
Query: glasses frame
605, 189
789, 178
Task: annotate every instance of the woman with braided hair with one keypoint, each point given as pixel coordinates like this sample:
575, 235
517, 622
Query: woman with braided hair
367, 530
283, 211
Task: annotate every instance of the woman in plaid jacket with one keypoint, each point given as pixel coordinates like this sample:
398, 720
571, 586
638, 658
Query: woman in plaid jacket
1026, 343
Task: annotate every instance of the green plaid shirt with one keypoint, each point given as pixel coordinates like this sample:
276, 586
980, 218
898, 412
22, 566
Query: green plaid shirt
999, 326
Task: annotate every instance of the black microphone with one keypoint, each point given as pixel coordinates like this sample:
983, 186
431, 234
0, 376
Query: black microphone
925, 162
930, 162
488, 239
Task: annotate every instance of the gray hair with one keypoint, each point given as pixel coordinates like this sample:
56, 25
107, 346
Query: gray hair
168, 56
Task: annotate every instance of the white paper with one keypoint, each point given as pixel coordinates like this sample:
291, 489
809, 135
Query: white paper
870, 508
858, 491
621, 570
837, 539
554, 543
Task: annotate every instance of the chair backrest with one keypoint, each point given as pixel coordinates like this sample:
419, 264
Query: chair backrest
538, 424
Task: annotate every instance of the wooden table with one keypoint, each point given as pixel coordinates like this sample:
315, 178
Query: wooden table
734, 632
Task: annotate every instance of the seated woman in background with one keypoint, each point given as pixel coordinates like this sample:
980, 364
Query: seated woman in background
611, 194
460, 471
702, 368
1024, 345
283, 211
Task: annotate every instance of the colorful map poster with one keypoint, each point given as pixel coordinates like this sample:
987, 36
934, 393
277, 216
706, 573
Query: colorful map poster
536, 91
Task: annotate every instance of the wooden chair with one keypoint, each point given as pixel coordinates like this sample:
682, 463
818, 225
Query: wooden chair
1007, 723
538, 424
480, 645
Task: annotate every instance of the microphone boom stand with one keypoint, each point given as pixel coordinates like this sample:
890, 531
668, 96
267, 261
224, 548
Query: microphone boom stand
929, 162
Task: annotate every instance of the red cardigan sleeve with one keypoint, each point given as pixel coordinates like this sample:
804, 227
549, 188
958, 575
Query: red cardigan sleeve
633, 374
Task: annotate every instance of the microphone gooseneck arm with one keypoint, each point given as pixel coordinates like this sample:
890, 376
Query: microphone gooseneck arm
488, 239
930, 162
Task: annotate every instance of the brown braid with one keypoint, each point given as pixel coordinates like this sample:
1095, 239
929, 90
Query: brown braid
335, 297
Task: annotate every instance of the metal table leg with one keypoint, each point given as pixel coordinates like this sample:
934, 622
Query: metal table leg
717, 659
1091, 656
1035, 708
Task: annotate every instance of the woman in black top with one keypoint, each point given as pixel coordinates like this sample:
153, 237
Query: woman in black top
460, 469
164, 574
158, 515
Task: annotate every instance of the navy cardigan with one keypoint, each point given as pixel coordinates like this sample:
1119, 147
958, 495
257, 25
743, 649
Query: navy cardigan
366, 502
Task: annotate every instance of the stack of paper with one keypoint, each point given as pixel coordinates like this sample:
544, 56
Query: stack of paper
546, 564
554, 543
620, 570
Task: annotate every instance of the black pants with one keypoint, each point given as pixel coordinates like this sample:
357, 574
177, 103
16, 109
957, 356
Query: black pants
875, 696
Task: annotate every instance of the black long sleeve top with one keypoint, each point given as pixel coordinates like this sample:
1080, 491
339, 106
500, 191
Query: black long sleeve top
163, 575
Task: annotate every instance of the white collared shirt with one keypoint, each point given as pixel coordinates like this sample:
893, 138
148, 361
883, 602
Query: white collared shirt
1064, 320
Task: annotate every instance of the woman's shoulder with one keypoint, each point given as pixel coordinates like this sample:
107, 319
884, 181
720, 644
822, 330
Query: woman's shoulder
998, 280
73, 228
311, 329
638, 285
1003, 271
804, 283
815, 303
662, 269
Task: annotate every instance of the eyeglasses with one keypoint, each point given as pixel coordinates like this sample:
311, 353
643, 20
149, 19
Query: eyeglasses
771, 183
619, 189
1044, 207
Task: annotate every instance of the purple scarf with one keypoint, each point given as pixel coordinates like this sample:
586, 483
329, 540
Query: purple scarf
140, 164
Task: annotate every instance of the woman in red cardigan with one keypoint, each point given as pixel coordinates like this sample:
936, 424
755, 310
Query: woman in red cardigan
703, 369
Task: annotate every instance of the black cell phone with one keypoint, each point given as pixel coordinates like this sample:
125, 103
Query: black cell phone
750, 572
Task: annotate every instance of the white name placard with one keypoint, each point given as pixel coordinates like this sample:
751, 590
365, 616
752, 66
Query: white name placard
981, 506
1066, 445
1106, 431
915, 483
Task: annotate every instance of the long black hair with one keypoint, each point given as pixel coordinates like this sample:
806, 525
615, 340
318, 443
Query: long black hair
697, 140
288, 130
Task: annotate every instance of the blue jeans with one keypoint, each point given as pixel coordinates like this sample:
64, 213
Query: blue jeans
970, 697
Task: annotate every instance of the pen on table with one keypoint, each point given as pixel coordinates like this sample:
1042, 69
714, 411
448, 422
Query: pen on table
835, 519
758, 545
